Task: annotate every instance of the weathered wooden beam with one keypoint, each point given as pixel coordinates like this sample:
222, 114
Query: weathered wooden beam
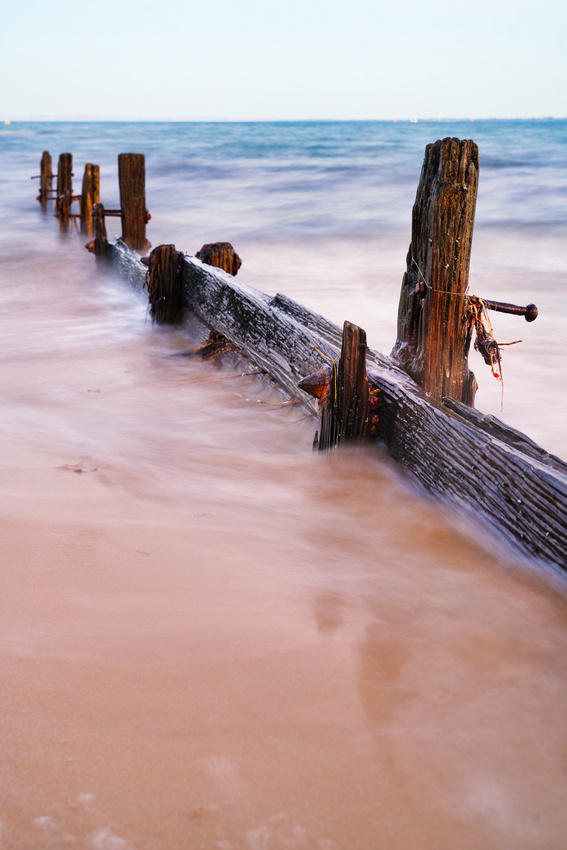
433, 326
485, 468
522, 494
132, 182
221, 255
89, 197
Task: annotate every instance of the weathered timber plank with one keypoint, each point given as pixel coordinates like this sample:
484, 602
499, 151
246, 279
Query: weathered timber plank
476, 462
524, 498
274, 341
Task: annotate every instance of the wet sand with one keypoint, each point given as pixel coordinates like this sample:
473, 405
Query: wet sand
194, 675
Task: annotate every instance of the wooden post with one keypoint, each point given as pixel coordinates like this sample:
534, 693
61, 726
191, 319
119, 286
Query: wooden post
222, 255
348, 402
89, 197
99, 245
165, 285
65, 173
46, 180
64, 190
132, 180
433, 325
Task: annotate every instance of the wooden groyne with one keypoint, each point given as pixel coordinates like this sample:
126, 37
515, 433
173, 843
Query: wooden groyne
418, 403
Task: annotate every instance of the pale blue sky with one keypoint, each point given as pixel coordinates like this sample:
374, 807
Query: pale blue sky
292, 59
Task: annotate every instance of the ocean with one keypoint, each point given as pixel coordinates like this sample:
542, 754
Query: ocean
210, 636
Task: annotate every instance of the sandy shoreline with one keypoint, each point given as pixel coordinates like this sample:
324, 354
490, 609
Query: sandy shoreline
164, 687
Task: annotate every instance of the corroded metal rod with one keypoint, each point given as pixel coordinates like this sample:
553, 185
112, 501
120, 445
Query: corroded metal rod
530, 312
120, 213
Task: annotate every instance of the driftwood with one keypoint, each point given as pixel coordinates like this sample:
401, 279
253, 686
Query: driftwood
475, 461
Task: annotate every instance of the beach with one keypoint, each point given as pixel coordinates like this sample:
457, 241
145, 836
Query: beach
210, 636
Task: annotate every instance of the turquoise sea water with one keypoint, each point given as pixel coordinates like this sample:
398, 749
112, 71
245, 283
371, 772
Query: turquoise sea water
320, 177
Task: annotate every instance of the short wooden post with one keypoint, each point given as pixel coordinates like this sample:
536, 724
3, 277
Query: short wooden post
132, 181
348, 402
64, 190
99, 245
165, 286
433, 327
223, 256
46, 180
220, 254
89, 197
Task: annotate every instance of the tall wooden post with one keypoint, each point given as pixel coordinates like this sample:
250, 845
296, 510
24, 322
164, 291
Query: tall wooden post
46, 179
433, 327
132, 181
89, 197
65, 173
64, 189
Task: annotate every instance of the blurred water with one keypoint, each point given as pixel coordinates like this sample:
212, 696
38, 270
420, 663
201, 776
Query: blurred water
210, 636
322, 212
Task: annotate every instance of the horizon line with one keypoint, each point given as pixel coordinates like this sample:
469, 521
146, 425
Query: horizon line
83, 119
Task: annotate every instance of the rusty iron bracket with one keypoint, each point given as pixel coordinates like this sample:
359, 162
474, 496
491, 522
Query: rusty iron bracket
529, 312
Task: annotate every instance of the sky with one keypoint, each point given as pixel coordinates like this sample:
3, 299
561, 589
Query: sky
286, 60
